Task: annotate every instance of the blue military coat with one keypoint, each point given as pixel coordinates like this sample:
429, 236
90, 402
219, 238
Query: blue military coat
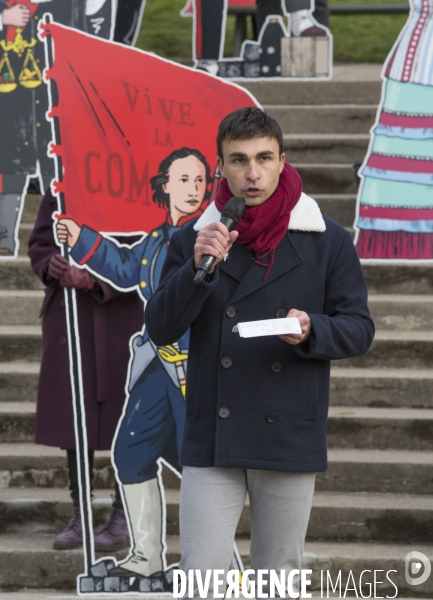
131, 267
261, 403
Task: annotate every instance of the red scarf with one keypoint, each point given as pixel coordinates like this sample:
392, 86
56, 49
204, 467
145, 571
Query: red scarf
263, 227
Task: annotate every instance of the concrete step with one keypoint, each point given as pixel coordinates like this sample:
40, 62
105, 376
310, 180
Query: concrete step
29, 560
22, 342
377, 471
31, 207
340, 207
350, 470
20, 307
326, 118
334, 516
390, 311
316, 92
380, 428
349, 386
16, 274
396, 349
382, 388
401, 312
17, 421
385, 278
348, 426
27, 510
23, 236
349, 517
19, 381
326, 147
328, 179
28, 465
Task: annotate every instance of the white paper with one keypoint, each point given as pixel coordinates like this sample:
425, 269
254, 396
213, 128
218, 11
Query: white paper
268, 327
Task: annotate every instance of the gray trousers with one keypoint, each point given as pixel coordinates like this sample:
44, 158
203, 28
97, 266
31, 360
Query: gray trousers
211, 503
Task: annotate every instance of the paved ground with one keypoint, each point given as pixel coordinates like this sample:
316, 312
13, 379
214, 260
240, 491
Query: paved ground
356, 72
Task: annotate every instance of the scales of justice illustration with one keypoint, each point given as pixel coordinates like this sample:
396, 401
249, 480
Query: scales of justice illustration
30, 75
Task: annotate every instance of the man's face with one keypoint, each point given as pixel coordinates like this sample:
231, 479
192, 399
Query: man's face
252, 168
186, 185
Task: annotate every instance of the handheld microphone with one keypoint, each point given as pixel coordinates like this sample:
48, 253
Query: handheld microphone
231, 214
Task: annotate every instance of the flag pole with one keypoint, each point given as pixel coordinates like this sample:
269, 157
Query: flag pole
73, 342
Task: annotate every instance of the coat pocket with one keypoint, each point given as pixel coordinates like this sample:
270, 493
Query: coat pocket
192, 382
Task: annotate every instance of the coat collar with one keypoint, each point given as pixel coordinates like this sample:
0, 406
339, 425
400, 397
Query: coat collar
306, 216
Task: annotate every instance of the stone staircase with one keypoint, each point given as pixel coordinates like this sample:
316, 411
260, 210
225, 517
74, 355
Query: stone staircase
375, 503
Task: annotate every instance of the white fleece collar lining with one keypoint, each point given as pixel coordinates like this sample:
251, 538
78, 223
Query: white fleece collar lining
306, 216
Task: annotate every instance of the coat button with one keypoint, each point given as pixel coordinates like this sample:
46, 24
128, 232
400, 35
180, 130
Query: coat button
63, 341
226, 362
281, 313
271, 417
276, 366
223, 412
231, 311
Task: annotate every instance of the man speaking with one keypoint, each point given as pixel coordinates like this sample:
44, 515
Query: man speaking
256, 408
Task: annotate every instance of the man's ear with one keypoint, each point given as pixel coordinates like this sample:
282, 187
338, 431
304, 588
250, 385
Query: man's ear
283, 160
164, 188
220, 165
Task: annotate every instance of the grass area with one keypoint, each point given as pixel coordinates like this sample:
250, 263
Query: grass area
358, 38
365, 38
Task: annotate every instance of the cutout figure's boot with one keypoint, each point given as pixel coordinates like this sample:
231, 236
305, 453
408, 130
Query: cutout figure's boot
208, 65
115, 534
304, 25
144, 508
72, 536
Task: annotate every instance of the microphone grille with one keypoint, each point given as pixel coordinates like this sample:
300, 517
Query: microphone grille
234, 209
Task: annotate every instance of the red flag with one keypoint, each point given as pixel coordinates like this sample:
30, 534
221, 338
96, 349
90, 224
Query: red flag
121, 112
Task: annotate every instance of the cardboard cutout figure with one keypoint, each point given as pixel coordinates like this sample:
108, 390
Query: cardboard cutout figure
395, 199
302, 52
137, 156
24, 131
128, 21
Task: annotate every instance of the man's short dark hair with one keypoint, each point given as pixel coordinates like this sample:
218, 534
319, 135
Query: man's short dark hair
157, 181
247, 123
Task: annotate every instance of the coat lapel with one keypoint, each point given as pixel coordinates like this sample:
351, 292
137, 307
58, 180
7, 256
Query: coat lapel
306, 216
287, 257
238, 262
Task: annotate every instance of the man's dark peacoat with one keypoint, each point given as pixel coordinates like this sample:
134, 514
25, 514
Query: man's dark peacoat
261, 403
106, 321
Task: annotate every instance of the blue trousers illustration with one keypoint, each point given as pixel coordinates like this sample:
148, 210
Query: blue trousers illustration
151, 428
